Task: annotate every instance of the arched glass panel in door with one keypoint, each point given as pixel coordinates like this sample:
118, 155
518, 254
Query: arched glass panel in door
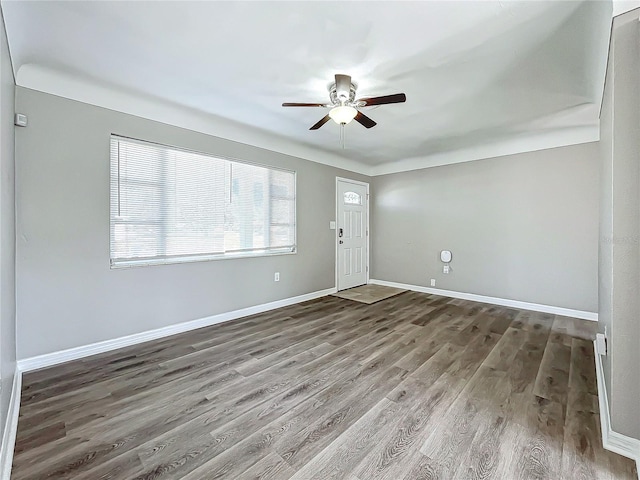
352, 198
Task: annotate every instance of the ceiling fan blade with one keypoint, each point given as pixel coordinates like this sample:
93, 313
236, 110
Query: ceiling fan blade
362, 119
321, 122
294, 104
385, 99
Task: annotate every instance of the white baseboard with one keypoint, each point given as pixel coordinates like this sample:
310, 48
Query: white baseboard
10, 428
613, 441
504, 302
50, 359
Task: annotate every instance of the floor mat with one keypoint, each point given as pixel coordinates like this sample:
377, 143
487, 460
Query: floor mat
369, 293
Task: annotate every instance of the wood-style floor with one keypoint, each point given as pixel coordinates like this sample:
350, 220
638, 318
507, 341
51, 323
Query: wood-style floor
413, 387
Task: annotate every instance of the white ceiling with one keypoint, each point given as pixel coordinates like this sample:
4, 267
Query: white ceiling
481, 77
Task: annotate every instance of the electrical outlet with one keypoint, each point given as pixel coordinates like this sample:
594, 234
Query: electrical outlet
276, 277
433, 282
445, 269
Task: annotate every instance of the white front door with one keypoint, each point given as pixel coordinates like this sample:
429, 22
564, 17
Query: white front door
353, 203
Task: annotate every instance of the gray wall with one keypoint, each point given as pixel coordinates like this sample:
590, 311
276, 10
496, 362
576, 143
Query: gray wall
605, 244
7, 228
522, 227
68, 296
619, 259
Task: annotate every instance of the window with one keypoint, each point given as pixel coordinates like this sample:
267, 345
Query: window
352, 198
170, 205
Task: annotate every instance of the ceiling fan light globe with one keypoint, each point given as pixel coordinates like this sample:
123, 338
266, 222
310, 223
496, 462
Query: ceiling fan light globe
342, 114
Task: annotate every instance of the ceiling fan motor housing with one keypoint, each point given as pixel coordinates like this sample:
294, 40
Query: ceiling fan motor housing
342, 94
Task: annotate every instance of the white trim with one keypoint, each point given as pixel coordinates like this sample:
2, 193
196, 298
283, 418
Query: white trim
613, 441
93, 92
50, 359
365, 184
505, 302
10, 427
74, 87
522, 144
623, 6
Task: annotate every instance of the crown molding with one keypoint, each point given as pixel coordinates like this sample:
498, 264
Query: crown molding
530, 143
73, 87
47, 80
624, 6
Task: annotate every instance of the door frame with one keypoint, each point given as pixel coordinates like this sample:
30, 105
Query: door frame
335, 244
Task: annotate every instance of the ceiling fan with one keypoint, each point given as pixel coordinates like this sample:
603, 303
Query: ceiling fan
344, 104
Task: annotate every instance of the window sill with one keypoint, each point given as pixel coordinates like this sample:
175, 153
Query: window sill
122, 264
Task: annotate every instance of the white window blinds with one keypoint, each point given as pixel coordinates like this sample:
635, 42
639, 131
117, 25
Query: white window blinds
170, 205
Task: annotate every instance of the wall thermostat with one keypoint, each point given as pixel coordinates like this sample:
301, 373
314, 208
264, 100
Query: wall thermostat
445, 256
20, 120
